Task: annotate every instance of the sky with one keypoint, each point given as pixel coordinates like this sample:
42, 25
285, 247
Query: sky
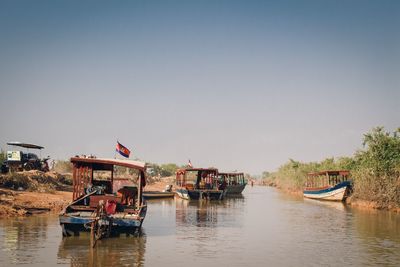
238, 85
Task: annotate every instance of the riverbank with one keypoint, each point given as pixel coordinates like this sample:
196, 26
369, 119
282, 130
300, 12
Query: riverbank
374, 171
20, 203
351, 200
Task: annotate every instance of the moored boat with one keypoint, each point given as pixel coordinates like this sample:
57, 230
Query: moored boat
328, 185
199, 183
235, 182
157, 194
103, 201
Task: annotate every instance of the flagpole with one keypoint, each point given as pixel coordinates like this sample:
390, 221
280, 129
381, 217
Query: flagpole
115, 151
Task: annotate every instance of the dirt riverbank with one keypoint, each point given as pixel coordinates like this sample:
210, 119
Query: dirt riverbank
19, 203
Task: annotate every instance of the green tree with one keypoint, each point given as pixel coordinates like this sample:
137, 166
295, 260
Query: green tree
168, 169
382, 153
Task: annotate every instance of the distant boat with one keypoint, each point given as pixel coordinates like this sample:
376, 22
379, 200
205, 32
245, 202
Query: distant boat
328, 185
198, 184
234, 182
157, 194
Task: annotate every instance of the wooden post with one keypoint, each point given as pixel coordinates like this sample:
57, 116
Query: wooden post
140, 188
92, 233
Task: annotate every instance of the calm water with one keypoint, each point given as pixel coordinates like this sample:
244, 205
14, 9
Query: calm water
262, 228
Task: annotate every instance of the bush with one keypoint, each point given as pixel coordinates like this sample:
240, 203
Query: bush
15, 181
3, 156
63, 166
375, 169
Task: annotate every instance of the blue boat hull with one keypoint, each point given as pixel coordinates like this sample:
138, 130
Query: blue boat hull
336, 193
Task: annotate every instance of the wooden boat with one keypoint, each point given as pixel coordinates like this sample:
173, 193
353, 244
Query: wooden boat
328, 185
157, 194
199, 183
102, 201
235, 182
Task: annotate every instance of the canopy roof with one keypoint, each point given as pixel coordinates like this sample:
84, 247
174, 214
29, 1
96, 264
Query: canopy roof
197, 169
112, 162
231, 173
333, 173
25, 145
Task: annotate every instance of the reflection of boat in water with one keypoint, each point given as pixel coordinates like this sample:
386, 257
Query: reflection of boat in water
196, 213
328, 185
100, 203
122, 251
337, 205
235, 182
198, 184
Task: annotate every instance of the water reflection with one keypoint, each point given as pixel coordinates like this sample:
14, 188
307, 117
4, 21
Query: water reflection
207, 213
108, 252
265, 227
379, 234
19, 236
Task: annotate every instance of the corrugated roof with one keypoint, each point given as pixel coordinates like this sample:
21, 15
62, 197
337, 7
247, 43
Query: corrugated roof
118, 162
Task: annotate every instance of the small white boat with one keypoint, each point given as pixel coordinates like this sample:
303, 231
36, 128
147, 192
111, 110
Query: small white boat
328, 185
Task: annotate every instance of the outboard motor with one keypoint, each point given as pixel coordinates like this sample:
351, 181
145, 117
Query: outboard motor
168, 188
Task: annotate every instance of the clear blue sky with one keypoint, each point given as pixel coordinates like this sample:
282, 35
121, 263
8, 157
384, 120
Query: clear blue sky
240, 85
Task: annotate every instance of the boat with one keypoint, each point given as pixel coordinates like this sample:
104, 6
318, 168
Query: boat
328, 185
102, 201
157, 194
235, 182
198, 184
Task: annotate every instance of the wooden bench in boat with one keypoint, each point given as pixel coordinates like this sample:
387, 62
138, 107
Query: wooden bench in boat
82, 207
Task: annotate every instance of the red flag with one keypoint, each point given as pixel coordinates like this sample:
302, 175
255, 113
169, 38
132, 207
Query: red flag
190, 164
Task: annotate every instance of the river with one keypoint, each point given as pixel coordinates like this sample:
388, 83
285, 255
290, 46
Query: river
264, 227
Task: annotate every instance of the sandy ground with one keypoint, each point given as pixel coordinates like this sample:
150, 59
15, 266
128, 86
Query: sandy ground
20, 203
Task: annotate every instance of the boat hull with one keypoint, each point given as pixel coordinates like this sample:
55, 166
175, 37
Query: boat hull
154, 194
336, 193
235, 189
201, 194
73, 223
183, 193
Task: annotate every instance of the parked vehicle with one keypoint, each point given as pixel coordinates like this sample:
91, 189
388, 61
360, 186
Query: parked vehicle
199, 183
105, 199
328, 185
18, 160
235, 182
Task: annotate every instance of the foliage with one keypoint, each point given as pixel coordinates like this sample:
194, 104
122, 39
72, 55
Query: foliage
163, 170
168, 169
63, 166
377, 173
382, 156
3, 156
375, 169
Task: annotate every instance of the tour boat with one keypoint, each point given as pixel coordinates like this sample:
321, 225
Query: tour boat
107, 196
235, 182
328, 185
199, 183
